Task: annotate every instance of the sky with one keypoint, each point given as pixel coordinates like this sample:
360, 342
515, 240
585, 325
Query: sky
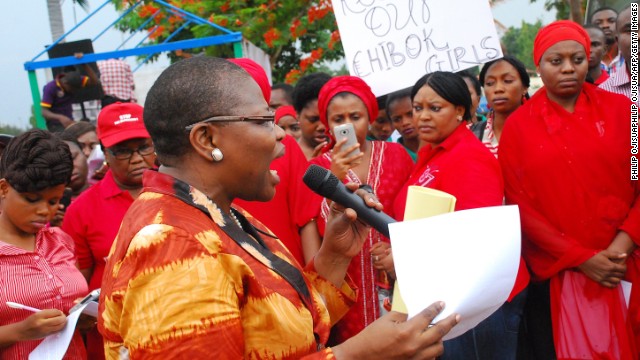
26, 32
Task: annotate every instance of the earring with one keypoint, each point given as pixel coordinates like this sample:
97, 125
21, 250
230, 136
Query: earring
459, 118
216, 154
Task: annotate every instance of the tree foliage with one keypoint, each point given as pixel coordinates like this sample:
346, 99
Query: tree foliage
519, 42
298, 36
567, 9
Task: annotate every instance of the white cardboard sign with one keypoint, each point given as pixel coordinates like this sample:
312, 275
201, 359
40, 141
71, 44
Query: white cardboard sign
392, 43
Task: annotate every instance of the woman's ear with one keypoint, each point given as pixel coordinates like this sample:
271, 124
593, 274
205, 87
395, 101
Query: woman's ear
4, 187
460, 111
203, 139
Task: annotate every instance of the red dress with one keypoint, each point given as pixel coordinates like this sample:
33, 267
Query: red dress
389, 169
570, 175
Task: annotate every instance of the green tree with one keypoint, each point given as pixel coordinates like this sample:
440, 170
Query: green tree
298, 36
519, 42
567, 9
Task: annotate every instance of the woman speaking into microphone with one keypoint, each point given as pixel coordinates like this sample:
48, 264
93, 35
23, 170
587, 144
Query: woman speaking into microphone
191, 277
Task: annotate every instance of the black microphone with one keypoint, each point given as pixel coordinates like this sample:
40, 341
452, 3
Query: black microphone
324, 183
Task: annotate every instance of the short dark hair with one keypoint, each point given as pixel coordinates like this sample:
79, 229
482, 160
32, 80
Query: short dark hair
307, 89
601, 9
186, 92
594, 27
78, 129
395, 96
36, 160
287, 89
448, 86
520, 68
474, 80
73, 79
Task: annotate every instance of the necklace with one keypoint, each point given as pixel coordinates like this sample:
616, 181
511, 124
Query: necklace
233, 216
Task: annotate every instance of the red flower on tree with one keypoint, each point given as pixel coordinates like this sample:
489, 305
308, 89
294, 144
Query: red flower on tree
335, 37
270, 36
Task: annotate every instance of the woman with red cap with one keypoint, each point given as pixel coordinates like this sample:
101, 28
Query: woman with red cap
566, 165
382, 165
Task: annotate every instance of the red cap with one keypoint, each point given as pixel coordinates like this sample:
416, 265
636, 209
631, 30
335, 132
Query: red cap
120, 122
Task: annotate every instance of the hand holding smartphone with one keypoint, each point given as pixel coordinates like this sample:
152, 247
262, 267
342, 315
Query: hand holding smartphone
347, 131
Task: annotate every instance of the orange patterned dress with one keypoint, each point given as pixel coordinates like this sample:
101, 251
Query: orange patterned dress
183, 280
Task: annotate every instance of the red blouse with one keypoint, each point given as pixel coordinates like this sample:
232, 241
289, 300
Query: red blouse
46, 278
463, 167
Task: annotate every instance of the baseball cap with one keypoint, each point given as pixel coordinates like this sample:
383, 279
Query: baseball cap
119, 122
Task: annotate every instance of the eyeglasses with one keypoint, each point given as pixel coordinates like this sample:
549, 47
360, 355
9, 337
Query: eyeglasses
268, 120
126, 154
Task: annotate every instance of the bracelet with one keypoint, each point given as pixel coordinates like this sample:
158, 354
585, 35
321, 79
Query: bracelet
366, 187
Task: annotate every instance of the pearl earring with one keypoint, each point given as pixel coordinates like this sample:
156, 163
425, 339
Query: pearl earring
216, 154
459, 118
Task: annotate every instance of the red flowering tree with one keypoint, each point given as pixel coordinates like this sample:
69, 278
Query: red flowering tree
299, 36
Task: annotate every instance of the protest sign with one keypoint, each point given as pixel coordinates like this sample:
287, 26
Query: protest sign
392, 43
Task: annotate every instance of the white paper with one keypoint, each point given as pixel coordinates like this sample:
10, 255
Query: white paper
626, 291
392, 43
54, 346
469, 259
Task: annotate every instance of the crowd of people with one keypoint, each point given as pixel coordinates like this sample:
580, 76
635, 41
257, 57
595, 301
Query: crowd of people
195, 223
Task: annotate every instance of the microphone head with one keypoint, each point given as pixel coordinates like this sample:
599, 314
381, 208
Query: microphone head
320, 180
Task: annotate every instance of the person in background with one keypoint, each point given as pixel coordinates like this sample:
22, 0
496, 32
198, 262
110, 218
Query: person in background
287, 119
305, 102
93, 219
281, 95
4, 140
78, 182
505, 83
581, 224
400, 111
381, 128
605, 19
596, 74
85, 134
383, 166
57, 96
37, 262
451, 159
286, 214
117, 82
475, 90
620, 81
208, 280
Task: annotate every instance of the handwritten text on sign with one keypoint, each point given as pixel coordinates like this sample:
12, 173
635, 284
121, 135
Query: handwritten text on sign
392, 43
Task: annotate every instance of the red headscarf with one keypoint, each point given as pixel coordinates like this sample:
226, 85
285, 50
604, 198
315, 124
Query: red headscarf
559, 31
257, 73
350, 84
283, 111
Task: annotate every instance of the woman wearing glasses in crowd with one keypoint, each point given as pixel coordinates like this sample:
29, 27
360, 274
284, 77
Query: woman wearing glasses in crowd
191, 277
384, 166
94, 217
565, 157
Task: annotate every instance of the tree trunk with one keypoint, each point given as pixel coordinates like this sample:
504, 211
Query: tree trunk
575, 11
55, 19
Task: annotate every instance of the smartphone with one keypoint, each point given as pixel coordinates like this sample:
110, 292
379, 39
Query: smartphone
66, 198
347, 131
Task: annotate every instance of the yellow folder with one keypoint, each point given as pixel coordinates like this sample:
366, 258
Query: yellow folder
422, 203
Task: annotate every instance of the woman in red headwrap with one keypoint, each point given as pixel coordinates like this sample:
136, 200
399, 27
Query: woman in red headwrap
287, 119
383, 166
566, 163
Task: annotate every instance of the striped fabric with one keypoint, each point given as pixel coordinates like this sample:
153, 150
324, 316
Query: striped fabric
177, 285
46, 278
619, 83
489, 137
